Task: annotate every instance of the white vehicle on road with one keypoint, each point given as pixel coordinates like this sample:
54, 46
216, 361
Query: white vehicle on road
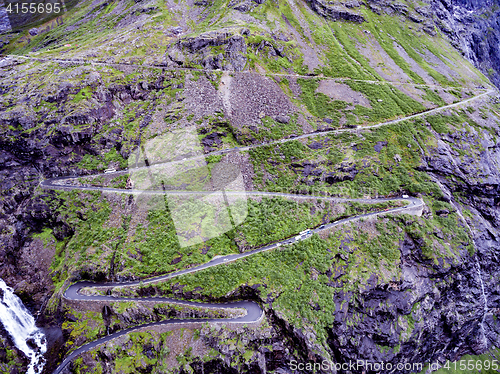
305, 234
405, 196
111, 170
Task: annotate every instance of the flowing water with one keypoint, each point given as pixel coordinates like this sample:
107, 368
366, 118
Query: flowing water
20, 324
484, 340
485, 305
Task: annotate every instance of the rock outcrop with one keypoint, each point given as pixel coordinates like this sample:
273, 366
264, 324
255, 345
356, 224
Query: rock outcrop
224, 50
337, 11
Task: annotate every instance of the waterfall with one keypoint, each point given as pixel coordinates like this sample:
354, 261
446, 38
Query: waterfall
485, 304
20, 325
484, 340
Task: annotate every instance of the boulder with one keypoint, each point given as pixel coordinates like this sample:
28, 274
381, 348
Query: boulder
281, 118
442, 212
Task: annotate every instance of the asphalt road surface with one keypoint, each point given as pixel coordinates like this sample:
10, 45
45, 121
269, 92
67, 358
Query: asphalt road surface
94, 62
253, 312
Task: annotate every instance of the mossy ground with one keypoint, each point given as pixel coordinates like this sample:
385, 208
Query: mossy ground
10, 358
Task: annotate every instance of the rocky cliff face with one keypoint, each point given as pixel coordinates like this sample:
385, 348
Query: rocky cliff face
474, 28
459, 297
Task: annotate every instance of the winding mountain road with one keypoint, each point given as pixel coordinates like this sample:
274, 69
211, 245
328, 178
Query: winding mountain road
253, 312
54, 182
81, 61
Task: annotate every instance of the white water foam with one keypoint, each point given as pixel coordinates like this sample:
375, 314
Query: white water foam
484, 340
20, 324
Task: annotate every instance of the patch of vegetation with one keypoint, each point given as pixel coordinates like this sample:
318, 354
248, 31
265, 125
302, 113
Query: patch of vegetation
388, 170
318, 103
387, 102
386, 31
10, 359
87, 252
88, 327
100, 162
91, 162
84, 94
273, 130
344, 60
432, 96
